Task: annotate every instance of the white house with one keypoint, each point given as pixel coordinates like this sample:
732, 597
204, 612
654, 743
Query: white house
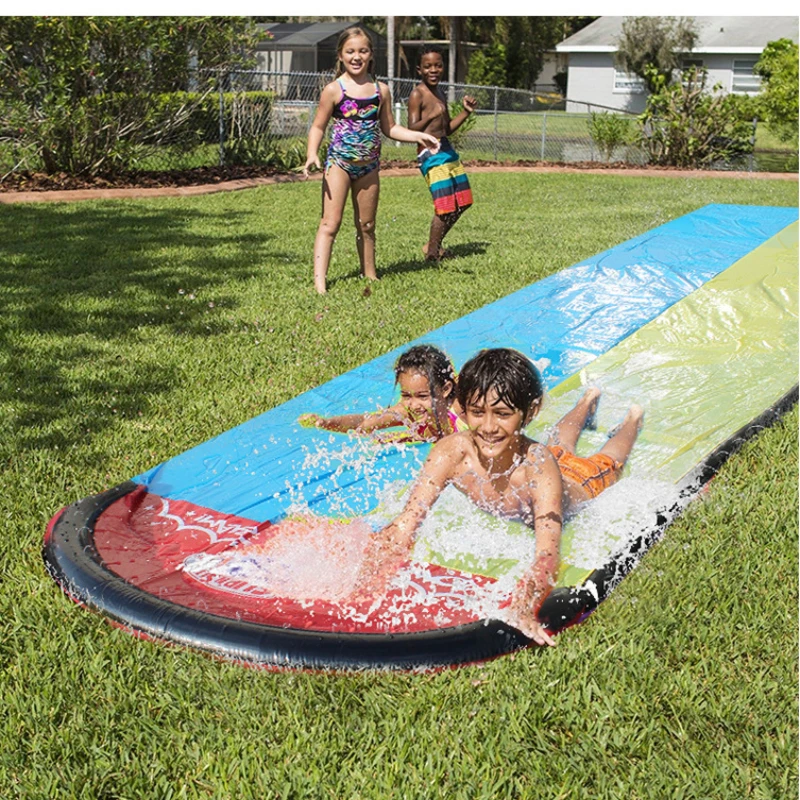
728, 47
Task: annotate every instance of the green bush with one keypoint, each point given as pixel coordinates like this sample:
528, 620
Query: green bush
778, 101
81, 94
610, 131
457, 138
685, 125
244, 113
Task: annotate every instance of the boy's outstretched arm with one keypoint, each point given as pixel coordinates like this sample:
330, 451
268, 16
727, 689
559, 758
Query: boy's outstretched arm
391, 546
469, 105
540, 577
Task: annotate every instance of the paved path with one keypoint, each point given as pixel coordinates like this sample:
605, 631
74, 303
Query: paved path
72, 195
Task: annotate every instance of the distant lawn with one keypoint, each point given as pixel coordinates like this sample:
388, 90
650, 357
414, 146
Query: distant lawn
133, 330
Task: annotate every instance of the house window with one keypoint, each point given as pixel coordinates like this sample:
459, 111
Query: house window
745, 81
627, 82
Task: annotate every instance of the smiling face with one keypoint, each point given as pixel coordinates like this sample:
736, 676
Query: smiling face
431, 68
356, 55
415, 394
496, 427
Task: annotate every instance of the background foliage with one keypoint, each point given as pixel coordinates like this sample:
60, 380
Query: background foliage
86, 94
651, 47
686, 125
778, 101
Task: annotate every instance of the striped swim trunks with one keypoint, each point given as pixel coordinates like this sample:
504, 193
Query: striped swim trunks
447, 181
593, 473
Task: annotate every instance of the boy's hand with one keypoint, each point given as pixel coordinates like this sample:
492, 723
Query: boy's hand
526, 622
383, 557
523, 617
469, 103
310, 420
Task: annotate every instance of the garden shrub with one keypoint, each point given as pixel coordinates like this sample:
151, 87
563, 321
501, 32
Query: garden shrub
687, 125
778, 101
610, 131
81, 94
242, 112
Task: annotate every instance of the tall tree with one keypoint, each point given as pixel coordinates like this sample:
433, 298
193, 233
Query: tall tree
515, 47
652, 46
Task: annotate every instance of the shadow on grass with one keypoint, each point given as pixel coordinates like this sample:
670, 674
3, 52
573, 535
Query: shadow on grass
420, 264
88, 291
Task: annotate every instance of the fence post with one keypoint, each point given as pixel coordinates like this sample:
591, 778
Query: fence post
221, 121
494, 138
544, 132
751, 157
398, 111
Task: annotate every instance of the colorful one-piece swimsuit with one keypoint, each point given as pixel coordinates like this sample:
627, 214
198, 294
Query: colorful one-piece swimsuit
356, 135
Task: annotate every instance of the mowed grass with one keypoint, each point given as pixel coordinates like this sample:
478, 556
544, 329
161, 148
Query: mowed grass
133, 330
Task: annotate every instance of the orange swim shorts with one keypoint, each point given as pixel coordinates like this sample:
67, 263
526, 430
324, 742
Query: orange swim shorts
593, 473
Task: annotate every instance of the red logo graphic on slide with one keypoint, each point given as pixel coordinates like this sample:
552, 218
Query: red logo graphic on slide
298, 573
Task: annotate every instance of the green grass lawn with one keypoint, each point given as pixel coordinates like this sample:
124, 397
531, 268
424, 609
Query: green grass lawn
133, 330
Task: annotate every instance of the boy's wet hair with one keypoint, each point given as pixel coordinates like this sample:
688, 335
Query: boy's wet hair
427, 49
517, 382
431, 362
349, 33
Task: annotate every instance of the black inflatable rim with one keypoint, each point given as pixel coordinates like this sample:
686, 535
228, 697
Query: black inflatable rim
74, 563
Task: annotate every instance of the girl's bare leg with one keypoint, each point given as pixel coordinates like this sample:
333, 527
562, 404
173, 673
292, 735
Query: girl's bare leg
620, 444
568, 429
335, 186
365, 207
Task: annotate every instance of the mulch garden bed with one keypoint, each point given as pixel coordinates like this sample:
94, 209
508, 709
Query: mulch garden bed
200, 176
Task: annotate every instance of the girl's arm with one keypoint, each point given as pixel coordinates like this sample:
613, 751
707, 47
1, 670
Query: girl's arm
327, 101
546, 494
391, 546
397, 132
360, 423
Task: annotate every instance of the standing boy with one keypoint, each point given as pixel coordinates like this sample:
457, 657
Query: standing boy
508, 474
447, 181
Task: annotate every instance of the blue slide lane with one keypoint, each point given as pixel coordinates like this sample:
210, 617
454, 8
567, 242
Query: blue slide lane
269, 465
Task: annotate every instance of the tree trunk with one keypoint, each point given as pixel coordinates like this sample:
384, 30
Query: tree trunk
455, 29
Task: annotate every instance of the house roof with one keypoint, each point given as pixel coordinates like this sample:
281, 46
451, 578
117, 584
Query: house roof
307, 34
715, 34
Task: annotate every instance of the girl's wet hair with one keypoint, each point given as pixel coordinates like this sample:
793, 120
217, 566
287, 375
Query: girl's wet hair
431, 362
349, 33
517, 382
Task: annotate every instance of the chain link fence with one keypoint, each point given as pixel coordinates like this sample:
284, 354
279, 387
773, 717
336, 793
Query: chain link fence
262, 118
508, 125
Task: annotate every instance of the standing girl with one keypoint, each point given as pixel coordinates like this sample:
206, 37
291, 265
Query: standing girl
361, 109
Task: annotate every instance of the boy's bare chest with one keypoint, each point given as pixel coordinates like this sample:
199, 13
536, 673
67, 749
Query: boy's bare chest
433, 105
503, 495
